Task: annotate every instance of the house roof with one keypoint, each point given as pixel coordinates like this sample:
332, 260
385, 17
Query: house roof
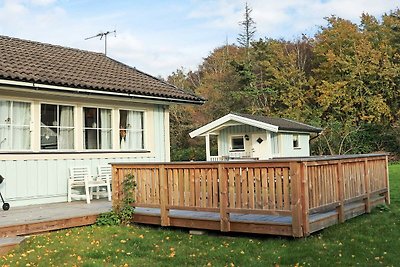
283, 124
266, 123
39, 63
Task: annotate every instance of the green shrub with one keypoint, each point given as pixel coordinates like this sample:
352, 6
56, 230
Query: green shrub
123, 211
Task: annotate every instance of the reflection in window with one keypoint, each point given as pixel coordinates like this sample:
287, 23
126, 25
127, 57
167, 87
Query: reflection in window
56, 127
14, 125
97, 128
131, 130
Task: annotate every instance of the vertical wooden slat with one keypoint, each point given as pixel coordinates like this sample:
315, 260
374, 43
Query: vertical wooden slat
257, 184
186, 188
250, 184
204, 188
271, 185
231, 181
223, 191
209, 188
366, 182
305, 198
245, 192
215, 191
238, 191
278, 177
286, 194
197, 178
170, 186
264, 187
385, 176
341, 190
192, 187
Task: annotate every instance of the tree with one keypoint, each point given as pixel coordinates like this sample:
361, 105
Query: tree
249, 28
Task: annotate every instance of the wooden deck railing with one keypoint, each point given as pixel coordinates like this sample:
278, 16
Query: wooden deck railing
290, 187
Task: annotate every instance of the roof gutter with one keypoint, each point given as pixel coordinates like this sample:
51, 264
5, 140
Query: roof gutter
88, 91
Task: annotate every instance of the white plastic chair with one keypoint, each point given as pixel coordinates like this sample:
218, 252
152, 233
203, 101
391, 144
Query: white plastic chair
81, 177
104, 174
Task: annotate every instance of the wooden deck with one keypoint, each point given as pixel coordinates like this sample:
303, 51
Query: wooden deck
42, 218
292, 197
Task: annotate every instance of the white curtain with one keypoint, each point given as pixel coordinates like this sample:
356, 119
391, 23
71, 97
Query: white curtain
105, 131
5, 132
66, 139
134, 130
21, 130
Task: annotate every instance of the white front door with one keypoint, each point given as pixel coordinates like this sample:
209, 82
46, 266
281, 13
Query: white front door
259, 145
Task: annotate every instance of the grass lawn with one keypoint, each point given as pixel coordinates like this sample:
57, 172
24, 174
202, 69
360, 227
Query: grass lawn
368, 240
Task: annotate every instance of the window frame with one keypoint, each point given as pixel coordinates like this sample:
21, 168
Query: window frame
97, 128
10, 124
237, 137
296, 141
59, 127
123, 130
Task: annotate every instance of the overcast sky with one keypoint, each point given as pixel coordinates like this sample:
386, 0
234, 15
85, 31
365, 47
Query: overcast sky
160, 36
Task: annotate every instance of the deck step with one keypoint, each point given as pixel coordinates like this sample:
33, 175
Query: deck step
9, 243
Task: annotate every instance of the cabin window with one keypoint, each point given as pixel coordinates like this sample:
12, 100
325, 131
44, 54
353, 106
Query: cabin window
274, 143
296, 141
97, 128
237, 142
15, 120
56, 127
131, 130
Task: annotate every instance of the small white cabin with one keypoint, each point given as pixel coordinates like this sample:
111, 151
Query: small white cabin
62, 107
243, 136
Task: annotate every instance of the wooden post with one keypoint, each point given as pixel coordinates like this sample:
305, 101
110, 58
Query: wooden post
296, 207
223, 196
208, 151
387, 195
116, 189
305, 198
367, 186
341, 192
164, 213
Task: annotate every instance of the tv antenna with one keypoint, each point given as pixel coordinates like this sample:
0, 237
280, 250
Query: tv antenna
101, 35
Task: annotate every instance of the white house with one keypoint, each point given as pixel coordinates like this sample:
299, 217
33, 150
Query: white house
63, 107
243, 136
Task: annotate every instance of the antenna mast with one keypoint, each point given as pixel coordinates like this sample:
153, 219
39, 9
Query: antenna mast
101, 35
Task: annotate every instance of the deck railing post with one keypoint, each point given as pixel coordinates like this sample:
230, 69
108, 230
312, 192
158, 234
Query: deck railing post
305, 198
387, 195
164, 212
367, 186
223, 198
296, 207
115, 184
340, 183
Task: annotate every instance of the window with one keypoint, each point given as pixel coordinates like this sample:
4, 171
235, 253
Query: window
97, 128
274, 142
296, 141
56, 127
237, 143
131, 130
14, 125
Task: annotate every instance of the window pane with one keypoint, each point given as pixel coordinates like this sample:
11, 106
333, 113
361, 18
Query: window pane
237, 143
66, 116
90, 117
5, 125
131, 130
91, 139
48, 138
49, 115
105, 139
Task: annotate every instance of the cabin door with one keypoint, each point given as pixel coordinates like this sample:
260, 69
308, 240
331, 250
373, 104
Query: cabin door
259, 146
